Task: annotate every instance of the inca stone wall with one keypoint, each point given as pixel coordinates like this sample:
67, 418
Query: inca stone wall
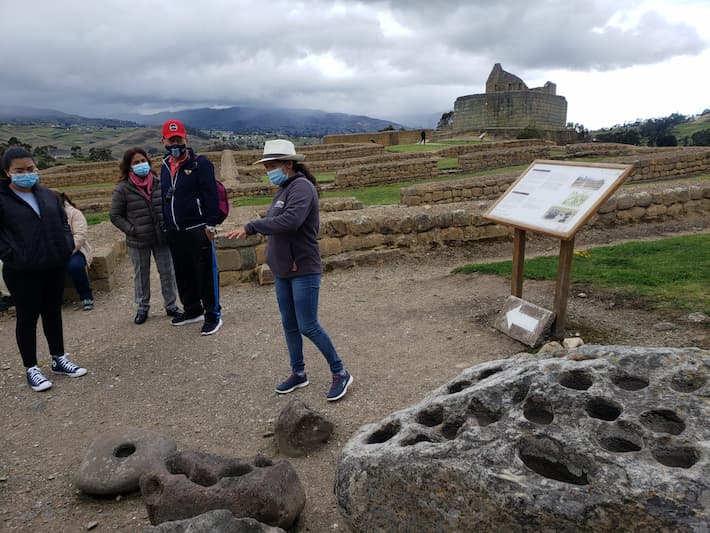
317, 152
364, 175
400, 227
513, 109
385, 138
463, 149
667, 164
502, 158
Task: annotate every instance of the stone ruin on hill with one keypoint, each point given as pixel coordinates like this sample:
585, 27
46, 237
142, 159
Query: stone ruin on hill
509, 105
607, 438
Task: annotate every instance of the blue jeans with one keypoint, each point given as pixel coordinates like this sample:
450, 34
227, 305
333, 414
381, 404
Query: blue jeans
298, 302
76, 266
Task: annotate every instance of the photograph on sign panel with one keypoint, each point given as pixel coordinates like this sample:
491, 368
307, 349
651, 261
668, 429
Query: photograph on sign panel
575, 199
585, 182
559, 214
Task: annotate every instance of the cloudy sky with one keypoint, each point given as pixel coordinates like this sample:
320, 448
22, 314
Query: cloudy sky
614, 60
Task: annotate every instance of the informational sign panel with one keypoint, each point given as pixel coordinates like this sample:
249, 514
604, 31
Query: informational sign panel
556, 197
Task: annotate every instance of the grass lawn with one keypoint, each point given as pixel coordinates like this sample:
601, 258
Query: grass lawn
401, 148
667, 273
95, 218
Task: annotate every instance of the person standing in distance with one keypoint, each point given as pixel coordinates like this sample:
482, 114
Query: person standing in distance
293, 254
35, 244
190, 214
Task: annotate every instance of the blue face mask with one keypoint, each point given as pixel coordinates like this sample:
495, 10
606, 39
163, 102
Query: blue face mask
177, 150
277, 176
25, 180
141, 169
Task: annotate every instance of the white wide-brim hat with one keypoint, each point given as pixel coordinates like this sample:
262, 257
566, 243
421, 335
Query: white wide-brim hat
280, 149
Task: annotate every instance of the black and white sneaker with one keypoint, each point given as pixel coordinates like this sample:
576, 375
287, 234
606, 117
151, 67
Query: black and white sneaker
62, 365
211, 326
183, 318
37, 380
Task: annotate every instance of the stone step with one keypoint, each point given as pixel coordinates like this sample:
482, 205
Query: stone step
361, 257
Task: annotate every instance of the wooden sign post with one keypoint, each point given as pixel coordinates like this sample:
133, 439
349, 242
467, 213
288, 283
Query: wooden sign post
554, 198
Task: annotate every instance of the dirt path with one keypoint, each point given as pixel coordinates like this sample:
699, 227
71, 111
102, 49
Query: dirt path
402, 329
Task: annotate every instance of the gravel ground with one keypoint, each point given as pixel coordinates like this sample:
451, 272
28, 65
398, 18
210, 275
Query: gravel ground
402, 329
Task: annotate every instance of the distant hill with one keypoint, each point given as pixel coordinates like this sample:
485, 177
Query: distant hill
36, 116
291, 122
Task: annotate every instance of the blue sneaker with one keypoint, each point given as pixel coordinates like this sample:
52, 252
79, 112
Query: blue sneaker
62, 365
295, 381
36, 379
340, 385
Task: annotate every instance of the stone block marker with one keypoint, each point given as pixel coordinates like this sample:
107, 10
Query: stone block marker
219, 521
115, 461
600, 438
300, 430
524, 322
191, 483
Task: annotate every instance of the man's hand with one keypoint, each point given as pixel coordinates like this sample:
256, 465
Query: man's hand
211, 232
239, 233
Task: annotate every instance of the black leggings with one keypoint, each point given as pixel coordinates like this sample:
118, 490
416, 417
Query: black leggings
37, 293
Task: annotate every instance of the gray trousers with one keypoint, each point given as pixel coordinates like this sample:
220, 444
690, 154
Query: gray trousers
140, 257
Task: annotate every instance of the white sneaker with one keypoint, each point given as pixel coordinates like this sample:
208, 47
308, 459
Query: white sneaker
37, 380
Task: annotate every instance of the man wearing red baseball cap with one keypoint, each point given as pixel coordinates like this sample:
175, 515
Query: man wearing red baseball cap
190, 214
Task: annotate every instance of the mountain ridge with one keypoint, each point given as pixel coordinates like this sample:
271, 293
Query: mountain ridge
236, 119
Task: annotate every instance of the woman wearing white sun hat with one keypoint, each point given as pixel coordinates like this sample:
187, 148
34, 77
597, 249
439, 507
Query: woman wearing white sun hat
293, 255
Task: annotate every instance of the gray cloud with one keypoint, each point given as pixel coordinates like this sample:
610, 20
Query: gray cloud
99, 57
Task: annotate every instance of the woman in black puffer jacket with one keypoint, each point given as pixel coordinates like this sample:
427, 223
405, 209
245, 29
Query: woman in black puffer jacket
136, 210
35, 244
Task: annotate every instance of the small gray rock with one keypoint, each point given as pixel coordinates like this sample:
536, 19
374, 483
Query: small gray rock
698, 318
300, 430
665, 326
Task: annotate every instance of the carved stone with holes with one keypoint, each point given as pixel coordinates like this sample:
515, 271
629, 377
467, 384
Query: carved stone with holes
115, 461
191, 483
604, 438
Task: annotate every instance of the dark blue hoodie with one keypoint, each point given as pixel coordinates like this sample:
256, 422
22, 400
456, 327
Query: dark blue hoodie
190, 197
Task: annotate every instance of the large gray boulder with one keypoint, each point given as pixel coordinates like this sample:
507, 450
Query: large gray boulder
605, 438
191, 483
114, 462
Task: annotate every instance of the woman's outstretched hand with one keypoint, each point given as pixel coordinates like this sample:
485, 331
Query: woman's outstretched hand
239, 233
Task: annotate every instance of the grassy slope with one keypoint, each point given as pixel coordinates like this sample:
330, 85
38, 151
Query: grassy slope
688, 128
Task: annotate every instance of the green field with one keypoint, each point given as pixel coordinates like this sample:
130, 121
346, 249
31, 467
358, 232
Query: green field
668, 273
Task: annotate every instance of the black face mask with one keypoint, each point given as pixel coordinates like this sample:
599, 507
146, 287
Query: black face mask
177, 150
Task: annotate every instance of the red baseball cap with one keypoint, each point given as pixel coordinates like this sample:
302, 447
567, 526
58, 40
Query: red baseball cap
174, 128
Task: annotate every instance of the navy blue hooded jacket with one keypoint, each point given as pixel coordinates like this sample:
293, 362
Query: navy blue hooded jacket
190, 196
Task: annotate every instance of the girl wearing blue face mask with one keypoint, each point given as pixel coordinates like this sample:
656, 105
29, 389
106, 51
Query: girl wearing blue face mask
35, 244
136, 210
293, 255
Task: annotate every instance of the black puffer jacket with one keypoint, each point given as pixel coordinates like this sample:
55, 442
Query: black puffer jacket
140, 219
29, 241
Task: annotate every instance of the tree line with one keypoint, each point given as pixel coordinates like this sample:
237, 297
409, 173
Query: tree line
655, 132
